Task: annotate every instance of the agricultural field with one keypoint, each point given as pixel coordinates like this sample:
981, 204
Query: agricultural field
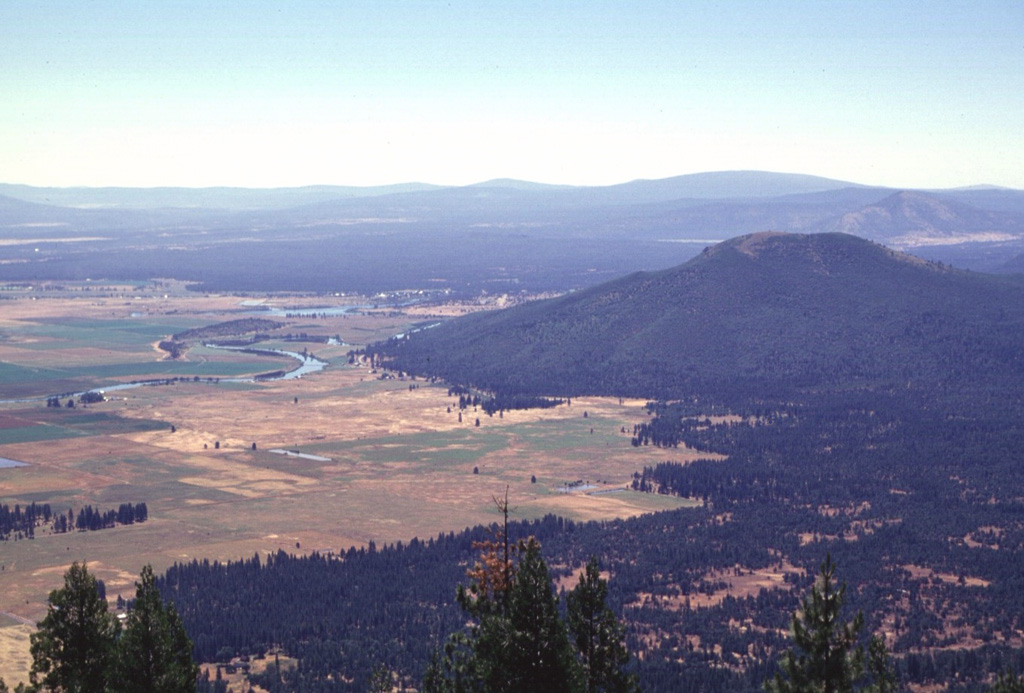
229, 468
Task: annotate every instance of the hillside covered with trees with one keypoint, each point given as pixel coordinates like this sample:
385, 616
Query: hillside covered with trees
764, 315
876, 418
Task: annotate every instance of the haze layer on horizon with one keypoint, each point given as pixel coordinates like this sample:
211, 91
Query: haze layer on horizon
904, 94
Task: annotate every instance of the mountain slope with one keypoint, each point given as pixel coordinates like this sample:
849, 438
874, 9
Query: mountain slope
759, 314
1014, 265
909, 219
17, 213
991, 199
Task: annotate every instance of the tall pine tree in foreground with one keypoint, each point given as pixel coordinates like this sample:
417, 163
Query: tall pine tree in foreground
79, 647
598, 635
154, 653
827, 656
74, 643
537, 656
518, 640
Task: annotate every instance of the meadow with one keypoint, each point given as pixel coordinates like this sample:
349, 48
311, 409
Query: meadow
388, 458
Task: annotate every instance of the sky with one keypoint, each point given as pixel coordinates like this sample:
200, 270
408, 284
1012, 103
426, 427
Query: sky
150, 93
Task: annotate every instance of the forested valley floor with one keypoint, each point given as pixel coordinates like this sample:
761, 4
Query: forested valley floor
918, 506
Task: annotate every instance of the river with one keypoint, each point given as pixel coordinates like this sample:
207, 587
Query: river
307, 364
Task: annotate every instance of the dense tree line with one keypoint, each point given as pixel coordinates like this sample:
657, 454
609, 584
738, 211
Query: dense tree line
21, 523
228, 329
506, 402
497, 403
92, 519
306, 337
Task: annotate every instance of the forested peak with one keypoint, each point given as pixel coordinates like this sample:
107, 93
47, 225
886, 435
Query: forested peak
759, 313
753, 244
793, 244
753, 273
815, 251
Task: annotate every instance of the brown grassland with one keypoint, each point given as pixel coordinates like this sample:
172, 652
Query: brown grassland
388, 458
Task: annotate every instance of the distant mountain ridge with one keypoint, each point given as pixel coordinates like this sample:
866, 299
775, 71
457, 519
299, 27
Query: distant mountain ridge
714, 185
717, 185
909, 218
499, 235
765, 313
727, 202
711, 185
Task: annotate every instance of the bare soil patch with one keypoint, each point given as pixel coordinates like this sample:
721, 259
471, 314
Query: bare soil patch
15, 659
740, 582
921, 573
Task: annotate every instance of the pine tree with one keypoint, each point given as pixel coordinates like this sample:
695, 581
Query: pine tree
881, 669
598, 635
538, 656
827, 656
154, 653
468, 657
491, 577
518, 641
380, 680
1008, 682
72, 648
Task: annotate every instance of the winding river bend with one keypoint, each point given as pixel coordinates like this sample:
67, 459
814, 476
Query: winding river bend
307, 364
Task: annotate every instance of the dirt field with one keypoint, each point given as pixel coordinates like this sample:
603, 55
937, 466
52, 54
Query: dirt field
738, 583
380, 460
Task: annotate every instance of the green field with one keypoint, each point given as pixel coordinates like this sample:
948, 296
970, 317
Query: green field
48, 356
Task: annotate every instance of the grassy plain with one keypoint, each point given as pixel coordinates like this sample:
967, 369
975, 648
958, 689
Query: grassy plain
390, 459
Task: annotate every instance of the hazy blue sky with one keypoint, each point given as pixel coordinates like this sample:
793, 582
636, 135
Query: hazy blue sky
296, 92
